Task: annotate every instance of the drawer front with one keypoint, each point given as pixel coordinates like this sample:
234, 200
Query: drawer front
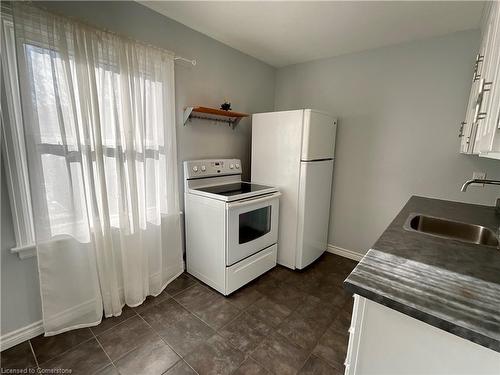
248, 269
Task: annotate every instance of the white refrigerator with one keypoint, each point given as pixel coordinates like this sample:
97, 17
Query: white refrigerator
294, 150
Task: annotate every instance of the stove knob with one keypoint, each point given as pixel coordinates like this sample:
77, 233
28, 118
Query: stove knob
195, 168
203, 168
237, 166
231, 166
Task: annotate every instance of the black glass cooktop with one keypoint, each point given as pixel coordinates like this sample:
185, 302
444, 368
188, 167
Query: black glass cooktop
233, 189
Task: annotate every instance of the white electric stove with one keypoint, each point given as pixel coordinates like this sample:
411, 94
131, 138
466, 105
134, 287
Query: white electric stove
231, 225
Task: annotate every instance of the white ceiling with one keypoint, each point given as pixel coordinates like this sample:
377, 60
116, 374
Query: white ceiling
284, 33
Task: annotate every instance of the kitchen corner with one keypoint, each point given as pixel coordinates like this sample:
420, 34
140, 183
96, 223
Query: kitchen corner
449, 284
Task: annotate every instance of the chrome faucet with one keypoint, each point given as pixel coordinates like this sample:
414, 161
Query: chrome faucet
487, 182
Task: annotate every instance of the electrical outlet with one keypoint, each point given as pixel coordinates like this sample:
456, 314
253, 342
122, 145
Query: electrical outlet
478, 175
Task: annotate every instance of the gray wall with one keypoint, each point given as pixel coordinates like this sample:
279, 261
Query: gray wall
20, 304
221, 72
399, 109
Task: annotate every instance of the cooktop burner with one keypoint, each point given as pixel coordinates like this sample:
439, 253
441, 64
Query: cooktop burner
233, 189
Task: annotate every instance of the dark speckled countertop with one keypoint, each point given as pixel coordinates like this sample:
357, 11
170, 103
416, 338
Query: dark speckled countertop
452, 285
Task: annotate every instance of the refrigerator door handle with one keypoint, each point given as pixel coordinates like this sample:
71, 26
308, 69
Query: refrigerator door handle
312, 160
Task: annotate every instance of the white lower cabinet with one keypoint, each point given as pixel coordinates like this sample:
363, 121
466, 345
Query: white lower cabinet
384, 341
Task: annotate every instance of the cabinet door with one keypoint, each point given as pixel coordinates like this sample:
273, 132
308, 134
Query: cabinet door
490, 140
474, 128
468, 128
487, 115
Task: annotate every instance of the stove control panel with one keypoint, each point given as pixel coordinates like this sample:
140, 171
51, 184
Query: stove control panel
211, 168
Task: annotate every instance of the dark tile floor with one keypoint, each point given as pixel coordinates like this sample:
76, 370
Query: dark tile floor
285, 322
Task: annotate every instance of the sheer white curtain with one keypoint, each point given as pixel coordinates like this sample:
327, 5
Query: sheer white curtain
98, 113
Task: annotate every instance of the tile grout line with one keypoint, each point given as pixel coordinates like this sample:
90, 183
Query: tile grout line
319, 339
67, 350
216, 331
259, 363
234, 319
240, 312
181, 360
107, 355
304, 364
196, 372
116, 325
273, 329
315, 343
250, 304
195, 315
160, 336
165, 342
234, 348
199, 317
109, 329
135, 347
186, 288
136, 314
33, 353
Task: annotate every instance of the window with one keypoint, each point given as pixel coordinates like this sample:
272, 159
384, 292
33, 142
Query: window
115, 165
63, 146
254, 224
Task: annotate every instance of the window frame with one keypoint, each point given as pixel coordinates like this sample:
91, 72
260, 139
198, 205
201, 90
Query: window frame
13, 147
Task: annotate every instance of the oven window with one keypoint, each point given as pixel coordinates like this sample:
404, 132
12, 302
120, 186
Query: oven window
254, 224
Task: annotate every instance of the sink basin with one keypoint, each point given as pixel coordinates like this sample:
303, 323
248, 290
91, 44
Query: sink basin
454, 230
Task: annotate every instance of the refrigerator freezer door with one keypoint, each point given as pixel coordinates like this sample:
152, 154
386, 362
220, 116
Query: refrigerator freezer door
314, 210
318, 139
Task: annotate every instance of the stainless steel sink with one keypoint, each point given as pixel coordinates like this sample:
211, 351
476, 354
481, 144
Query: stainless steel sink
454, 230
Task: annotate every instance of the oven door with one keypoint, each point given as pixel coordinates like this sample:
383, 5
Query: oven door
252, 225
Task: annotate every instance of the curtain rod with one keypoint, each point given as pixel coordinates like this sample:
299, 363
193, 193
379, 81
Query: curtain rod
85, 23
192, 62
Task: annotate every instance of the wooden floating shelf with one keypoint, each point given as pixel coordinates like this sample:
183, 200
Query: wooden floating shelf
213, 114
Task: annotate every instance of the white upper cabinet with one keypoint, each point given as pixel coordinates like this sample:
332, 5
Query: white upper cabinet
480, 131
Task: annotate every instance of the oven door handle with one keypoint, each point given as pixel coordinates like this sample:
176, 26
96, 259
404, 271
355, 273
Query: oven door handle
249, 201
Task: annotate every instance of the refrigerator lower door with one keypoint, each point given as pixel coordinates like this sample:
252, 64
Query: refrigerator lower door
314, 210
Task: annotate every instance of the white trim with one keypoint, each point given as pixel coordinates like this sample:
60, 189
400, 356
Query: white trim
354, 255
14, 149
24, 252
19, 335
491, 155
356, 333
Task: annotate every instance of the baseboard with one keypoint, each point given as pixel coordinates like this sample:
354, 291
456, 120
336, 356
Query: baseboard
19, 335
344, 252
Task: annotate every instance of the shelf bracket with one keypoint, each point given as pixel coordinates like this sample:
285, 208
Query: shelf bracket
187, 113
235, 122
